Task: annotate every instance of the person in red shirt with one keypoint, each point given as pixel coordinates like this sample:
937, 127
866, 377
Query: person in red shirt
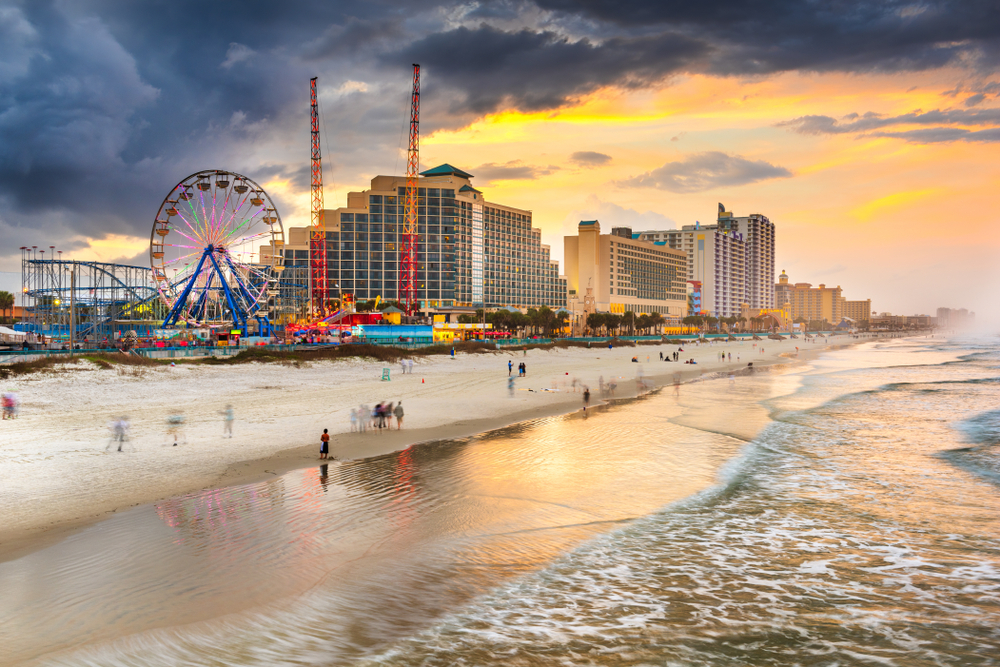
324, 447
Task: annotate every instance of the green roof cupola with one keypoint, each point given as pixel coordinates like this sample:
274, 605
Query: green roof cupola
446, 170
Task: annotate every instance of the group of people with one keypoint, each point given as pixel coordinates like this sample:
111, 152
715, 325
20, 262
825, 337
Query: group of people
406, 366
672, 356
521, 369
606, 389
381, 416
9, 402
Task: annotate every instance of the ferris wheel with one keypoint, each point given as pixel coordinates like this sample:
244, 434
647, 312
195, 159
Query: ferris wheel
204, 250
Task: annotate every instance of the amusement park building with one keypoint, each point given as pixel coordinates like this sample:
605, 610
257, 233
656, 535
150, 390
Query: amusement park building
472, 252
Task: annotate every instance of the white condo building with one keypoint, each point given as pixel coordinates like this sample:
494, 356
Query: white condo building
732, 261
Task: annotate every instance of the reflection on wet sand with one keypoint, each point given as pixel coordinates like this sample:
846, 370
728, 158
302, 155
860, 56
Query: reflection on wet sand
351, 556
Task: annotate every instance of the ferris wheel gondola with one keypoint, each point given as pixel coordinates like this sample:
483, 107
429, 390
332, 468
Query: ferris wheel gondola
207, 232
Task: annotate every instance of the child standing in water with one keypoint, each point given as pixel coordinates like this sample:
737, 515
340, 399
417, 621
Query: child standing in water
324, 444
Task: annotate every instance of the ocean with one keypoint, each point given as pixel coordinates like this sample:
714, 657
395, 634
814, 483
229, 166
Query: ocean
841, 512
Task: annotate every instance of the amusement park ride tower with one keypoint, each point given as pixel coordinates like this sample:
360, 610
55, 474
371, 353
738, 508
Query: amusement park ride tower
408, 278
318, 291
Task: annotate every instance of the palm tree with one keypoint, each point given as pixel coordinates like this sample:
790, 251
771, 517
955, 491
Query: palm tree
694, 320
560, 320
7, 303
595, 321
612, 323
656, 320
628, 319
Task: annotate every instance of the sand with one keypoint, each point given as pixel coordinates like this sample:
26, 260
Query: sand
56, 475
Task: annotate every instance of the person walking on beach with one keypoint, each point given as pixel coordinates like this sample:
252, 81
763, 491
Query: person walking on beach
119, 432
363, 417
175, 426
388, 416
409, 366
510, 386
586, 399
399, 415
354, 420
510, 367
227, 420
324, 444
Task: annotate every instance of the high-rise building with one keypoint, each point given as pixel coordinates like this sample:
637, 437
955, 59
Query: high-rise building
955, 318
808, 302
758, 233
859, 311
624, 273
471, 252
716, 260
732, 259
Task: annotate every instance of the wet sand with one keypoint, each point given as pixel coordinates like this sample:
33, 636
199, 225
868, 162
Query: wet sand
357, 554
55, 476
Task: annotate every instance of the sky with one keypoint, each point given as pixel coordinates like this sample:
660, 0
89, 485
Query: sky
866, 131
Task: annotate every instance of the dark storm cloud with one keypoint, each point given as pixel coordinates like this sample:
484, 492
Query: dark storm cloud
354, 37
704, 171
639, 43
106, 104
531, 70
589, 158
822, 35
514, 170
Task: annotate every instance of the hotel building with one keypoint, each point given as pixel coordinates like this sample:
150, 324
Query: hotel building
808, 302
472, 252
758, 233
859, 311
623, 273
732, 260
716, 261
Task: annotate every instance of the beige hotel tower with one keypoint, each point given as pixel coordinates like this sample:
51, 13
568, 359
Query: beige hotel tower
617, 273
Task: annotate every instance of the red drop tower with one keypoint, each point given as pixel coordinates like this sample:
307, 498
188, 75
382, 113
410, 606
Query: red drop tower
318, 291
408, 278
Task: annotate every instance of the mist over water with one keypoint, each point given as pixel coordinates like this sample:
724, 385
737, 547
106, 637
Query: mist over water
856, 521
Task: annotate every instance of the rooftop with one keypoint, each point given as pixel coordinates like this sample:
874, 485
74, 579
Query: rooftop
446, 170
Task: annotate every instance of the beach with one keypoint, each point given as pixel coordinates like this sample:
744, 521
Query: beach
673, 525
57, 474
